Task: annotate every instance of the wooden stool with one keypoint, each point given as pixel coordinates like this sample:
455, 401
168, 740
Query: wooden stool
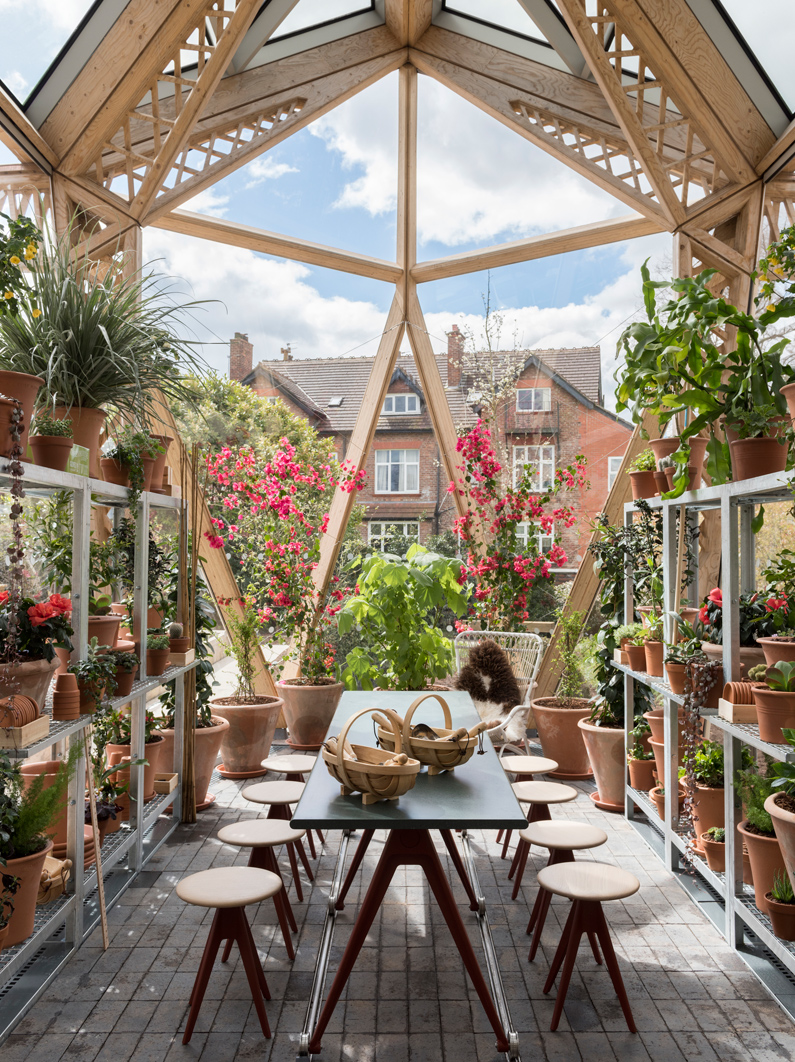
539, 795
294, 768
229, 890
280, 795
588, 885
563, 839
523, 768
262, 836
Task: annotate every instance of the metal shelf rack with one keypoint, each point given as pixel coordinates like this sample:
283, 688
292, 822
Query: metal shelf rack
723, 897
62, 925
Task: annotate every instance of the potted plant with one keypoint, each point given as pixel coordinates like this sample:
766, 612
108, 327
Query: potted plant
641, 475
653, 647
252, 717
25, 817
679, 655
658, 796
706, 785
96, 677
9, 887
604, 741
779, 646
640, 758
157, 651
126, 665
103, 623
98, 338
129, 461
756, 831
110, 793
774, 698
556, 718
669, 469
177, 642
113, 726
622, 635
51, 441
780, 805
755, 619
634, 641
781, 907
713, 845
29, 634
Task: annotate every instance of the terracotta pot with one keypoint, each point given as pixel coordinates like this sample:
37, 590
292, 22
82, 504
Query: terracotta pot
788, 394
715, 851
750, 655
87, 424
774, 712
766, 861
641, 774
23, 387
654, 652
159, 469
149, 467
66, 706
637, 657
87, 698
656, 720
51, 451
57, 827
757, 457
665, 447
738, 693
658, 796
247, 742
178, 645
31, 678
643, 485
676, 677
114, 472
152, 752
3, 937
713, 693
658, 748
776, 650
782, 918
207, 743
694, 477
124, 682
608, 759
105, 629
309, 711
784, 825
777, 428
18, 711
156, 661
29, 869
118, 608
561, 739
708, 809
154, 618
660, 482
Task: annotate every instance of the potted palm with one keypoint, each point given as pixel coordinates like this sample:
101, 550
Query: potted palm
557, 717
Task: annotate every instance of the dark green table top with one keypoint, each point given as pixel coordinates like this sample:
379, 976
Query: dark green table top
474, 796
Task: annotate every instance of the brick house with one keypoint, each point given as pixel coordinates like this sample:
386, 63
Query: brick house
554, 412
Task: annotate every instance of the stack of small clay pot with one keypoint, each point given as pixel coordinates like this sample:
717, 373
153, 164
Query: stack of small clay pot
18, 710
65, 698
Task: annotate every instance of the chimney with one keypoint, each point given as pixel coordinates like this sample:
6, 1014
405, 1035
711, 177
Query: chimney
286, 355
455, 351
241, 357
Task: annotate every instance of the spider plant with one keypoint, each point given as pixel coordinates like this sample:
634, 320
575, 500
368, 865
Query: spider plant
99, 337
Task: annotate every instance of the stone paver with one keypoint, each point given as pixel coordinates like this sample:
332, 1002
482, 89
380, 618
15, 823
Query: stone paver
408, 999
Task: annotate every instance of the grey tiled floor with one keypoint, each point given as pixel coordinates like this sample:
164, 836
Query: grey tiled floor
408, 999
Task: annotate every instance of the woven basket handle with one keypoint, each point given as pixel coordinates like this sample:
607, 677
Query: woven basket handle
448, 719
391, 718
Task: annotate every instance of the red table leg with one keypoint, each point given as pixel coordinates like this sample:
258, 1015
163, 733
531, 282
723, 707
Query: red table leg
364, 843
408, 848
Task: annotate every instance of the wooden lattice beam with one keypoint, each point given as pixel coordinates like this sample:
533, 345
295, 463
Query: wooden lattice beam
407, 20
22, 137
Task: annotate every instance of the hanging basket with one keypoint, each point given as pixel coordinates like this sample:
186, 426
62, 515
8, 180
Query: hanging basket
369, 771
448, 750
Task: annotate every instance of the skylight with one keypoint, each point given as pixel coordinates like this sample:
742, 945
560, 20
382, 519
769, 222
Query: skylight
309, 13
336, 400
34, 32
506, 14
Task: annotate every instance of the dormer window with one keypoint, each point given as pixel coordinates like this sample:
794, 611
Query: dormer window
401, 404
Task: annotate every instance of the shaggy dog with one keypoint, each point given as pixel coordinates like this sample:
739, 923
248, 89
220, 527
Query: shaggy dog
490, 682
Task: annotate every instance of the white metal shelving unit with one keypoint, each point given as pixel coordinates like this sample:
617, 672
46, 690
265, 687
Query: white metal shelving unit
61, 926
723, 897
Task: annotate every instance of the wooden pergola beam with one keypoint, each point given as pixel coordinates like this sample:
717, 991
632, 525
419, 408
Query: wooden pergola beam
407, 20
595, 234
233, 234
22, 136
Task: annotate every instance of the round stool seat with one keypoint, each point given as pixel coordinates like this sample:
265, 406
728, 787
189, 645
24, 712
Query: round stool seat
528, 764
259, 833
274, 792
533, 792
588, 881
290, 764
561, 834
228, 887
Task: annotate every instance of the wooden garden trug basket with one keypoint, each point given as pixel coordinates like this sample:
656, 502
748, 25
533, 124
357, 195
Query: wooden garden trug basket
448, 750
366, 771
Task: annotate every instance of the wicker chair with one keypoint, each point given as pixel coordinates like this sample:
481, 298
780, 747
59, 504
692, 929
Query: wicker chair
524, 651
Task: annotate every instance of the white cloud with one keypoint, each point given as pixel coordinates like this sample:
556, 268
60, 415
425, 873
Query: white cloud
62, 14
476, 179
210, 201
266, 169
17, 83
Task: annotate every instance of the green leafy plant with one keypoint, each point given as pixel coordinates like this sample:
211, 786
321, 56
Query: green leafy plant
9, 887
637, 749
114, 726
244, 633
781, 677
19, 245
37, 806
44, 424
717, 833
644, 462
634, 633
566, 657
395, 610
708, 764
654, 629
124, 661
754, 790
157, 640
95, 673
129, 449
782, 773
782, 891
688, 648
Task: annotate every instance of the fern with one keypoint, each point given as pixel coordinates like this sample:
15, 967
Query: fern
39, 807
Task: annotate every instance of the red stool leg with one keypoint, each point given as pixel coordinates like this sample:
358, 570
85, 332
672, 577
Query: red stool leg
541, 907
299, 892
517, 858
525, 847
560, 954
573, 943
499, 836
267, 861
361, 848
603, 933
219, 930
505, 845
302, 855
227, 950
320, 836
253, 968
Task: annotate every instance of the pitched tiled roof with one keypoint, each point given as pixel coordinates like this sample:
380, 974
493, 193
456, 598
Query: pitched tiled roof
314, 382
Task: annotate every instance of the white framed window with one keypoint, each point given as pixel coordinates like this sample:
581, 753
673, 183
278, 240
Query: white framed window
613, 465
397, 471
527, 530
533, 399
380, 534
541, 460
271, 400
409, 403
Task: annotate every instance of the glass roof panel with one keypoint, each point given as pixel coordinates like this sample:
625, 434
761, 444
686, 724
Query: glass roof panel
767, 27
507, 14
310, 13
34, 31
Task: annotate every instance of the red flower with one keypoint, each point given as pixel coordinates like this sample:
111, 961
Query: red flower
3, 597
716, 597
61, 604
774, 603
703, 614
41, 614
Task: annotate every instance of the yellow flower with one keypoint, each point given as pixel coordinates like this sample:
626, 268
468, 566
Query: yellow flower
37, 313
9, 295
771, 307
30, 251
779, 271
15, 259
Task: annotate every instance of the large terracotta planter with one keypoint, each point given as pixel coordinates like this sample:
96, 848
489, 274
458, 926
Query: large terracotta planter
105, 629
207, 744
152, 753
247, 742
309, 711
87, 425
56, 829
775, 711
560, 737
708, 809
776, 650
766, 861
31, 678
641, 774
784, 825
114, 472
51, 451
654, 653
715, 853
750, 655
23, 387
757, 457
29, 869
605, 747
643, 485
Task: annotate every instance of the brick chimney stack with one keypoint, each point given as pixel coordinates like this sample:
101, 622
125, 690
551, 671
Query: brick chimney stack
241, 357
455, 352
286, 355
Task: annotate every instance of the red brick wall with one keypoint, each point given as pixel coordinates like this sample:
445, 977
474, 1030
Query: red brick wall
241, 357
